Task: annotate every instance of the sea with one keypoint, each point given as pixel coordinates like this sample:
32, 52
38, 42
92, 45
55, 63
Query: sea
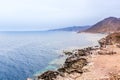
26, 54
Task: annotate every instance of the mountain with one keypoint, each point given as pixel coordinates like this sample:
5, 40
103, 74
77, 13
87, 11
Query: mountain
74, 28
108, 25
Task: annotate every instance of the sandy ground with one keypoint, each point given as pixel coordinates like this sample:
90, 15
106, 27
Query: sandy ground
99, 68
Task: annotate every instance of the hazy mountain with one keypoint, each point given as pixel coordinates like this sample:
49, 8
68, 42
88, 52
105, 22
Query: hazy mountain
111, 24
74, 28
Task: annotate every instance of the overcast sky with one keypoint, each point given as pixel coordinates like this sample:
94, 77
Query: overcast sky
47, 14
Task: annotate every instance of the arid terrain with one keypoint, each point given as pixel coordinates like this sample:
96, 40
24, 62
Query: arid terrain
100, 67
92, 63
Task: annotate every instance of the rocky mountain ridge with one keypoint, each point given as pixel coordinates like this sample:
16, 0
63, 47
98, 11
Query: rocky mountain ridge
108, 25
73, 28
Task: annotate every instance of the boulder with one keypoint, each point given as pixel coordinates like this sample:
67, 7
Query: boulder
48, 75
73, 65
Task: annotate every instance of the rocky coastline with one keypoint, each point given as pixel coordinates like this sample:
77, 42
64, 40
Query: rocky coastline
79, 62
74, 63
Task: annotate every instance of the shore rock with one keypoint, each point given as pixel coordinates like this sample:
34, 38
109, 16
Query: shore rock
73, 65
48, 75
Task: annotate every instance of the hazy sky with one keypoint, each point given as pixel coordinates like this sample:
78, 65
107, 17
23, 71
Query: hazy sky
45, 14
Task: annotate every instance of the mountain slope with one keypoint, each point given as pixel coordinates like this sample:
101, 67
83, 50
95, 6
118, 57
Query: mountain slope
74, 28
111, 24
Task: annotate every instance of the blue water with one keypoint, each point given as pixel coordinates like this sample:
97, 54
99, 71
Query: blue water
23, 54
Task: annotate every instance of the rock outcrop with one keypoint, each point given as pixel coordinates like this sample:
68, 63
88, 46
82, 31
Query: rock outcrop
73, 64
111, 39
48, 75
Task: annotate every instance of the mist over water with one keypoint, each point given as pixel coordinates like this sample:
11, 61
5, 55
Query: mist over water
23, 54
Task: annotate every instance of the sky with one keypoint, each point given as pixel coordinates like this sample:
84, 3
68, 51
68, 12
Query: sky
23, 15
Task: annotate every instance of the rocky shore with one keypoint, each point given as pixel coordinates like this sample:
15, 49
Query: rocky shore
74, 63
91, 63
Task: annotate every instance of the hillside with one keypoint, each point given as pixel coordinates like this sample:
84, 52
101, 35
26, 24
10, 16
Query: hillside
74, 28
108, 25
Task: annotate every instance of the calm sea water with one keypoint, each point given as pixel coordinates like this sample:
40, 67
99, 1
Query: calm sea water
24, 54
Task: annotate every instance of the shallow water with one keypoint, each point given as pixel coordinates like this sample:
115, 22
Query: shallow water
23, 54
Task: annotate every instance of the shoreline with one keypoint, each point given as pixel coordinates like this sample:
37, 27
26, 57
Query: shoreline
87, 64
95, 40
75, 58
59, 73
